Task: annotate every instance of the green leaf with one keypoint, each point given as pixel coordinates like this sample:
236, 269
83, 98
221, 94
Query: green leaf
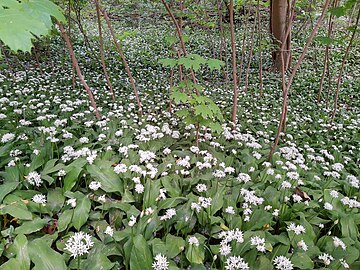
214, 64
44, 257
81, 212
174, 245
140, 258
65, 219
171, 202
179, 96
348, 227
6, 188
29, 227
204, 111
20, 249
50, 167
195, 254
18, 210
71, 178
55, 200
21, 22
96, 259
168, 62
338, 11
109, 180
302, 261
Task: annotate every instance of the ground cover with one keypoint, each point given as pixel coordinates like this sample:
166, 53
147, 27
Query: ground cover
131, 192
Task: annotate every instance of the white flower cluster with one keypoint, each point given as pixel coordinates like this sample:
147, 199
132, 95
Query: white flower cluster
227, 237
34, 179
79, 244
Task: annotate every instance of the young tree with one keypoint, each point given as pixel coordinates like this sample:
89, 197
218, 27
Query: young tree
279, 24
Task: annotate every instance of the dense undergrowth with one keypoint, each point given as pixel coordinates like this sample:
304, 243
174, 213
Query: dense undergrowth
130, 192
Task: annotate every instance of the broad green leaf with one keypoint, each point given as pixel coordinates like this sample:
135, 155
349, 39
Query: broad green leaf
22, 22
55, 200
174, 245
65, 219
140, 258
50, 167
168, 62
20, 249
195, 254
302, 260
44, 257
214, 64
179, 96
29, 227
81, 212
204, 111
96, 260
348, 227
12, 264
71, 178
18, 210
110, 181
6, 188
171, 202
338, 11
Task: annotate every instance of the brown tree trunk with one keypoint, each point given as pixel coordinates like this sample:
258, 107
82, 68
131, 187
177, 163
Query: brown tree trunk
97, 4
233, 48
77, 68
279, 23
131, 78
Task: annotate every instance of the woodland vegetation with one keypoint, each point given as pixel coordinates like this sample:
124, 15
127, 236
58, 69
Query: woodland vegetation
179, 134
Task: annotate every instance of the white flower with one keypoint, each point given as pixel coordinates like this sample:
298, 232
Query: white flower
337, 167
166, 151
160, 262
338, 242
79, 244
296, 198
132, 221
34, 179
258, 242
139, 188
236, 262
201, 187
326, 258
282, 263
297, 229
84, 140
7, 137
230, 210
94, 185
301, 244
61, 173
334, 193
193, 241
344, 263
243, 177
71, 202
168, 214
225, 249
109, 231
102, 198
328, 206
39, 198
285, 185
353, 181
204, 202
120, 168
276, 212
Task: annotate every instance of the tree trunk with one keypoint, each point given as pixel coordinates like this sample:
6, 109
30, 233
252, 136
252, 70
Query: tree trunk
279, 23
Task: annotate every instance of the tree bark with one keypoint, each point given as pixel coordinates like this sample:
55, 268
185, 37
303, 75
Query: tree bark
77, 68
279, 24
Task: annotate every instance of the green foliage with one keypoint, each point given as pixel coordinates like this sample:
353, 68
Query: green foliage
22, 21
